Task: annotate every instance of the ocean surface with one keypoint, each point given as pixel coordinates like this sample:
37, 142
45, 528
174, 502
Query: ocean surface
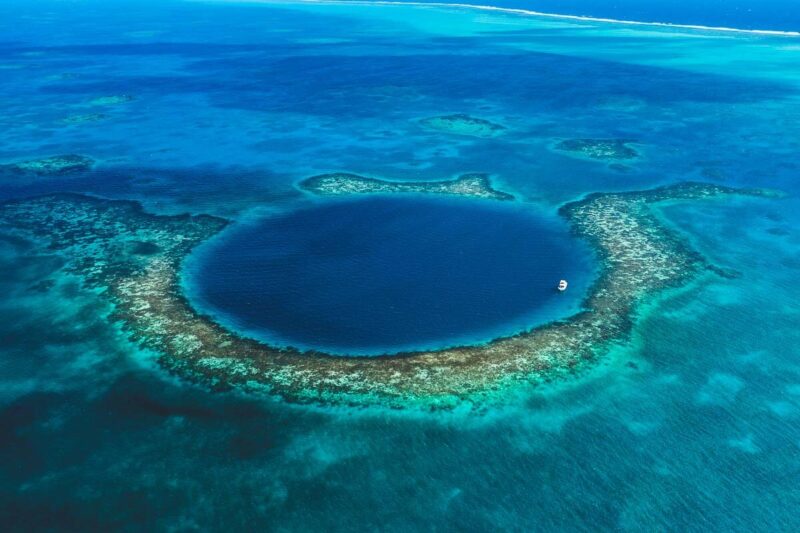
775, 15
691, 425
390, 274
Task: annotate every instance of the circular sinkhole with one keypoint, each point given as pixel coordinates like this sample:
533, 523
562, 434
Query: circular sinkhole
389, 274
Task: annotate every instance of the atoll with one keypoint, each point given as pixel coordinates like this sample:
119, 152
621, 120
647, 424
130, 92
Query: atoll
50, 166
134, 258
603, 149
474, 185
461, 124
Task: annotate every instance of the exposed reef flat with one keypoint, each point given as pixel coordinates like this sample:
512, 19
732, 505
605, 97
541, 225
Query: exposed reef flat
474, 185
461, 124
603, 149
50, 166
102, 242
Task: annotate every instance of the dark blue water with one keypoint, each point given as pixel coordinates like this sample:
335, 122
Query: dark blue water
390, 273
744, 14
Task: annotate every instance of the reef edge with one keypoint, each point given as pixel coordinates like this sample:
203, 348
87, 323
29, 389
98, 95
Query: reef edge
103, 240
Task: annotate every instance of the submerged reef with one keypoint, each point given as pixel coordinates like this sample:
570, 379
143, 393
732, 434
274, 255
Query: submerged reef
56, 165
134, 258
82, 119
112, 100
461, 124
474, 185
603, 149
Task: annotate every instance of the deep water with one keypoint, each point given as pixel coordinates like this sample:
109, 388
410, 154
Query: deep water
693, 424
382, 275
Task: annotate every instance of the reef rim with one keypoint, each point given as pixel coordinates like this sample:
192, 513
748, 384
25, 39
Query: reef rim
638, 256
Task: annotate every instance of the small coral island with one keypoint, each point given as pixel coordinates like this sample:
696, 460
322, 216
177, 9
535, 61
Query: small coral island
603, 149
135, 259
475, 185
50, 166
461, 124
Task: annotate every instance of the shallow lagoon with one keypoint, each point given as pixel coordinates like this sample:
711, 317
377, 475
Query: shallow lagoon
390, 274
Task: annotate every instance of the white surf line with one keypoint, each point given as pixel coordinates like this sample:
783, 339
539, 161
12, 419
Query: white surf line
530, 13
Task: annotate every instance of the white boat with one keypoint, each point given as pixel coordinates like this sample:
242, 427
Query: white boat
562, 285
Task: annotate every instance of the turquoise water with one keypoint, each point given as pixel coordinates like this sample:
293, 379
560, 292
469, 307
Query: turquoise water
747, 14
691, 425
383, 275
